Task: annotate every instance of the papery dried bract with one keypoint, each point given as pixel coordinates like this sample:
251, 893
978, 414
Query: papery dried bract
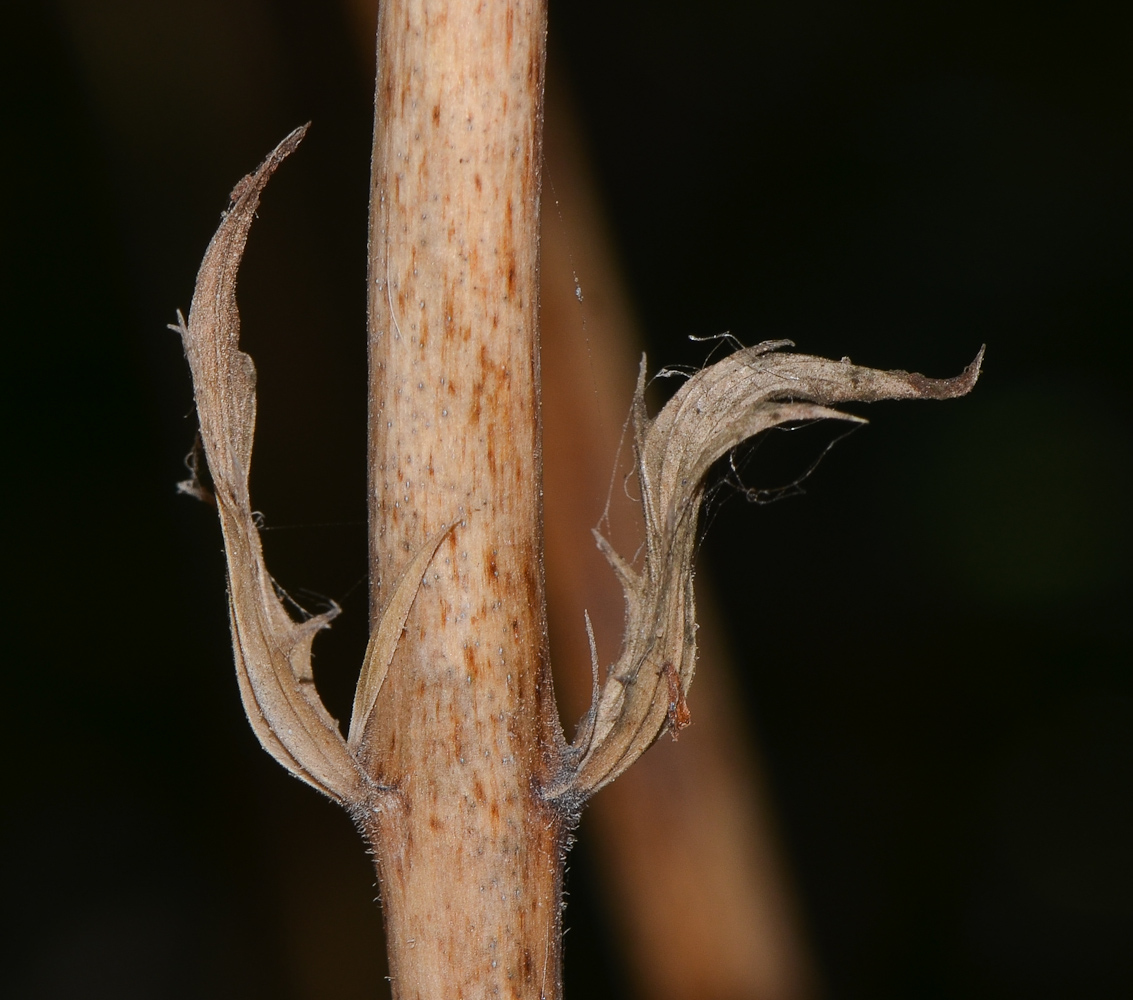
273, 653
716, 410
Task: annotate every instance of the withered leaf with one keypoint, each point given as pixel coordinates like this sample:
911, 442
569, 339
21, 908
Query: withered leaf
717, 409
273, 652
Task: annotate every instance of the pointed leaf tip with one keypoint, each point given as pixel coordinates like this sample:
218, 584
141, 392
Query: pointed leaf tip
950, 388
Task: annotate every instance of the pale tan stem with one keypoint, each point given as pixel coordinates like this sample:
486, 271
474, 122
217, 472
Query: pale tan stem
464, 730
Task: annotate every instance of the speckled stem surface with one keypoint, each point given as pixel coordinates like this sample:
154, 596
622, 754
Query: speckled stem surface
464, 733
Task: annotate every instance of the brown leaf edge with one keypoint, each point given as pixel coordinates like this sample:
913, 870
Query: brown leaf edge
714, 411
273, 652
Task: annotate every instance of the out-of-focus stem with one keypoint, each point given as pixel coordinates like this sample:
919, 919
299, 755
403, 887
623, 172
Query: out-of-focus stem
690, 863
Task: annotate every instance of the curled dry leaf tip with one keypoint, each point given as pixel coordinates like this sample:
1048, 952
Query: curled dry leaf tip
714, 411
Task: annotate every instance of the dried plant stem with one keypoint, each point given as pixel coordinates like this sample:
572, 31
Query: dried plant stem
465, 731
454, 765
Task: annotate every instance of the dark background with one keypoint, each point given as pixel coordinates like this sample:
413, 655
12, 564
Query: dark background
930, 636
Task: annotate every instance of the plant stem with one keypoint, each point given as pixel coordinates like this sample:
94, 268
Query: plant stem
469, 854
